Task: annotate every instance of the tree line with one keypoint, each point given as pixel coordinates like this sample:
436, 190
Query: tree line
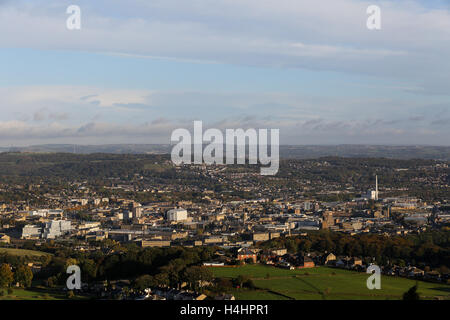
430, 249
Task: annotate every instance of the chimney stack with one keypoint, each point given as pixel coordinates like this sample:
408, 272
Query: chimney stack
376, 187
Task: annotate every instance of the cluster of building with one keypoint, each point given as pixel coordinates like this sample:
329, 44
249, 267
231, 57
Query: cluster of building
211, 218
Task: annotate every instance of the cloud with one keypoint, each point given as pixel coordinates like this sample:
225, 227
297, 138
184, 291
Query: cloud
441, 122
284, 34
39, 115
417, 118
59, 116
159, 131
56, 94
88, 97
50, 113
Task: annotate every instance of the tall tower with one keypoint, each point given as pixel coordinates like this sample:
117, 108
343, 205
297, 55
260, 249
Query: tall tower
327, 219
376, 187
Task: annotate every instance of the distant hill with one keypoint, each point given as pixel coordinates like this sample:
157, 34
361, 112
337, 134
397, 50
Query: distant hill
86, 149
367, 151
286, 151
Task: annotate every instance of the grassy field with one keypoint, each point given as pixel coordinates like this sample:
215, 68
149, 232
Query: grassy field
35, 294
323, 283
22, 294
23, 252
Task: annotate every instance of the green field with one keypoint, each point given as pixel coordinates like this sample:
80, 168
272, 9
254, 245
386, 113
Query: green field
35, 294
23, 252
323, 283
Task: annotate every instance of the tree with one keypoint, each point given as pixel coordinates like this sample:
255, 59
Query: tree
240, 280
197, 276
144, 282
45, 260
51, 281
162, 279
291, 246
23, 276
89, 269
223, 284
70, 262
6, 275
249, 284
411, 294
174, 271
29, 245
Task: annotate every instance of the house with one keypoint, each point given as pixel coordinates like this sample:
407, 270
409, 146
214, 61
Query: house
341, 263
355, 261
278, 252
416, 273
305, 262
261, 236
274, 254
266, 255
201, 297
349, 262
244, 254
329, 259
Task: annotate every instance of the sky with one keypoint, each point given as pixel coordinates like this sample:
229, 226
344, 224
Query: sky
138, 69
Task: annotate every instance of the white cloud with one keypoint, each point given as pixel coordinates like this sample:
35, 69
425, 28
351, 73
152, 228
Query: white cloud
414, 40
35, 95
300, 129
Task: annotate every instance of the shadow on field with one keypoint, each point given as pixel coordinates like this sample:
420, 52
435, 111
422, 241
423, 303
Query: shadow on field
441, 289
313, 287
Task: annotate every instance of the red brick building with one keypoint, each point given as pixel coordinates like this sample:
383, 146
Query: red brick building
306, 262
245, 254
